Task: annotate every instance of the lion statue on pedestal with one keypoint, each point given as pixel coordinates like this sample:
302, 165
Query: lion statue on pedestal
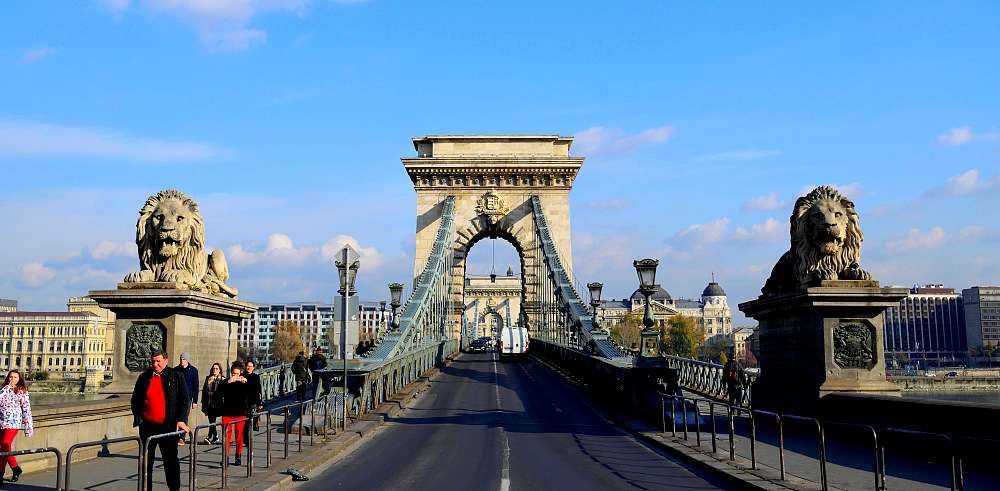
826, 243
170, 235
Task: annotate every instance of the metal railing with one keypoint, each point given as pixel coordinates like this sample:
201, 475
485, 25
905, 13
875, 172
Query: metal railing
29, 451
878, 444
145, 454
69, 454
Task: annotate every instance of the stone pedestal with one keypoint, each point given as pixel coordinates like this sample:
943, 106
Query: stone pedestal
821, 340
150, 316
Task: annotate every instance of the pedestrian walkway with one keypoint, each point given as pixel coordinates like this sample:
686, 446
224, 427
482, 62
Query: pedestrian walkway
118, 469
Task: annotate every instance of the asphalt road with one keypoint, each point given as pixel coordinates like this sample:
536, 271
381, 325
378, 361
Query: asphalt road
485, 424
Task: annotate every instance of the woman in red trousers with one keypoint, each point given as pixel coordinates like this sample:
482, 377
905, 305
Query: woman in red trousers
15, 415
232, 400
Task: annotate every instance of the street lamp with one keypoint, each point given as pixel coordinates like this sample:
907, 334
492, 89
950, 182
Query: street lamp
381, 320
396, 293
646, 269
595, 301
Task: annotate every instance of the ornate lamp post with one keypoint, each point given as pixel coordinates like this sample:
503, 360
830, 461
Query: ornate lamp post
381, 319
595, 302
646, 269
395, 293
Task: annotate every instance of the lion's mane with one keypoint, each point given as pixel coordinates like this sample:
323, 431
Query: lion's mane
191, 257
804, 263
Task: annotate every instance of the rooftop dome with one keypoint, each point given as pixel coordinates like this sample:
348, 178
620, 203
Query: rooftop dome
661, 296
713, 290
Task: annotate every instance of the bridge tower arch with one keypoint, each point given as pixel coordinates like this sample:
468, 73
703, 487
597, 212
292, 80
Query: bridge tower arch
494, 179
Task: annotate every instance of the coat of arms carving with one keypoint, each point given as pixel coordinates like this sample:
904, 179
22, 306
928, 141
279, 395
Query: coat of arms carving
492, 206
141, 340
854, 344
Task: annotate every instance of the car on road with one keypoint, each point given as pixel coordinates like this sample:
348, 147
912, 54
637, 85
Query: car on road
480, 345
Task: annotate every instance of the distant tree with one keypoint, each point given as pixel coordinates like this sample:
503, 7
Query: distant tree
626, 331
723, 358
748, 359
682, 336
287, 341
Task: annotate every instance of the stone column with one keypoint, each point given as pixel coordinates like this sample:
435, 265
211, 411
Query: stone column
163, 315
820, 340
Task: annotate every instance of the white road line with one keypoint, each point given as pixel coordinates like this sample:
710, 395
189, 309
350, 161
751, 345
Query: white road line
505, 470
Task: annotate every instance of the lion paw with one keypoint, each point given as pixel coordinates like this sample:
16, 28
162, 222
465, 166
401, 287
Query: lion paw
177, 276
139, 277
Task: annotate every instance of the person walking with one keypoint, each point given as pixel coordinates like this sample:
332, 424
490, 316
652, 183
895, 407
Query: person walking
233, 402
256, 395
190, 373
15, 415
735, 378
301, 372
212, 382
161, 404
316, 363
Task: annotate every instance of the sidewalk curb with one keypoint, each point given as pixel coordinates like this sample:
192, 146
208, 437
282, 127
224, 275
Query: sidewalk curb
325, 455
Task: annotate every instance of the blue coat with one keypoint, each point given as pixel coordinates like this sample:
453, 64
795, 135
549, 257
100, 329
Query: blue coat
190, 375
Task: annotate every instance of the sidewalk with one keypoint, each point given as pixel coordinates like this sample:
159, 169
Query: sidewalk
310, 454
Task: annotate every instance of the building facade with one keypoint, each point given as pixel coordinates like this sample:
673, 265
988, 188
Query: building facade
7, 305
982, 316
711, 313
256, 333
490, 302
373, 320
62, 344
927, 327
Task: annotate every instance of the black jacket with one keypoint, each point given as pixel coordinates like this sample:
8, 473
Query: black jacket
175, 393
232, 399
207, 393
256, 390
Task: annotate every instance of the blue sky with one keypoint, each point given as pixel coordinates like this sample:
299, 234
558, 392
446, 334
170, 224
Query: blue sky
701, 123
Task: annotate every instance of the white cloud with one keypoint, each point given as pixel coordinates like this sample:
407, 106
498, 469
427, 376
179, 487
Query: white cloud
33, 55
36, 274
599, 140
611, 204
969, 182
223, 25
770, 230
370, 256
280, 250
45, 140
963, 135
763, 203
116, 7
917, 239
699, 235
106, 248
738, 155
971, 232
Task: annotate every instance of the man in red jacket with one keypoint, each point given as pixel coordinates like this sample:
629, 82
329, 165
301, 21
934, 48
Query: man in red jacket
160, 404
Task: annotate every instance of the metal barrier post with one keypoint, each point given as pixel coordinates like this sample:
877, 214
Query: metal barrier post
781, 441
73, 448
673, 416
285, 423
302, 414
312, 422
267, 414
697, 422
144, 456
29, 451
249, 426
711, 414
684, 410
732, 432
663, 415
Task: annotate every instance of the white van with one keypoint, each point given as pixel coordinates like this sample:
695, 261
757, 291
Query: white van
512, 341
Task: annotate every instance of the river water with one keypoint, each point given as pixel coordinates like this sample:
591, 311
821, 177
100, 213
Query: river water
991, 396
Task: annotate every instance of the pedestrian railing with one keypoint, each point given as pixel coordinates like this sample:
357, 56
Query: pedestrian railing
876, 437
145, 454
29, 451
104, 442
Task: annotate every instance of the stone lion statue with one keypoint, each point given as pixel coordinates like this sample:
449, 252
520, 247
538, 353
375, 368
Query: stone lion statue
826, 243
170, 235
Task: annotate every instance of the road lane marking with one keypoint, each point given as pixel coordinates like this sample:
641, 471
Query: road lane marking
505, 469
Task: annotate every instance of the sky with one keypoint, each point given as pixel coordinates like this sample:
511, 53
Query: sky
701, 122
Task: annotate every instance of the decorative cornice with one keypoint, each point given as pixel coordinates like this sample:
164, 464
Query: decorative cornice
492, 172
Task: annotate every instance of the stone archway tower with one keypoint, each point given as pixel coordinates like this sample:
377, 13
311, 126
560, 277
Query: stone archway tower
493, 178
